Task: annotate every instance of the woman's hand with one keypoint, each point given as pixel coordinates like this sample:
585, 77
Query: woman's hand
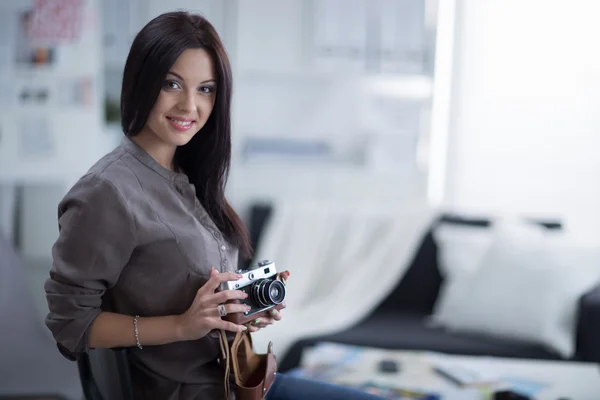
275, 315
203, 315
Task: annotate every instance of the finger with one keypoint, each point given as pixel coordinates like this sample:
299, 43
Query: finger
284, 276
276, 315
231, 308
229, 326
216, 278
262, 321
258, 326
205, 288
253, 328
225, 296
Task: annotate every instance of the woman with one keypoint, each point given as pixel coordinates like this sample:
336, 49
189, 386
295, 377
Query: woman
146, 236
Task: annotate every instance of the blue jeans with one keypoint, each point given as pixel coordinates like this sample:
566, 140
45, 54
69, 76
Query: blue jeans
289, 387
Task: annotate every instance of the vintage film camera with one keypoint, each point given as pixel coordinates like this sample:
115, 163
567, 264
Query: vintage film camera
265, 291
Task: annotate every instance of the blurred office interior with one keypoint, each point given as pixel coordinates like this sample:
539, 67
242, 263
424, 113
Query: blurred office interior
352, 114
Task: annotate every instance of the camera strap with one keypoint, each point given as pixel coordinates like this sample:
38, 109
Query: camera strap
225, 355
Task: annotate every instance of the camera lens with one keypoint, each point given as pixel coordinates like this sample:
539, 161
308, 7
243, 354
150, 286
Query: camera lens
268, 292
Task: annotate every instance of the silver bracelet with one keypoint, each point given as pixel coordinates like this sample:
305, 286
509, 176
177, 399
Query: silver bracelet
136, 332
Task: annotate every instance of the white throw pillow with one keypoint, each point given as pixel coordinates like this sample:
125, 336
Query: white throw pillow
527, 287
461, 249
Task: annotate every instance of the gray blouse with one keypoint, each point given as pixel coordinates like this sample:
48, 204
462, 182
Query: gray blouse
135, 240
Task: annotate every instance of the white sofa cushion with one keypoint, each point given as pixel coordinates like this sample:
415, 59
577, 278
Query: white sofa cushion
525, 286
461, 249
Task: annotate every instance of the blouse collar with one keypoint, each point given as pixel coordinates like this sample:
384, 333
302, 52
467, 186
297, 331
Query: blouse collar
142, 155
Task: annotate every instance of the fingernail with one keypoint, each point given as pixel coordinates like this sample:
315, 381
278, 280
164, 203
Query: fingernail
256, 322
244, 327
273, 312
239, 276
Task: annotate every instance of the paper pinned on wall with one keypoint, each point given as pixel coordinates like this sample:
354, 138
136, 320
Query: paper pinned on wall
75, 92
37, 95
35, 138
56, 22
27, 52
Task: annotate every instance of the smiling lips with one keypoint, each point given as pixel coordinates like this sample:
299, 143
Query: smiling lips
181, 124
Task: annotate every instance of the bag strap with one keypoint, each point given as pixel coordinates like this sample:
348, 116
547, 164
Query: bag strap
225, 355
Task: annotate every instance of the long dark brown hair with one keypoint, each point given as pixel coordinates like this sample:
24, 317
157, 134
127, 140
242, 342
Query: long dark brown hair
206, 157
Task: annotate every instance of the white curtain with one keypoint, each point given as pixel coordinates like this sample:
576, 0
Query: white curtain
344, 259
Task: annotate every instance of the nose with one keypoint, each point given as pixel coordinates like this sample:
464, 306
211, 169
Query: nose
186, 102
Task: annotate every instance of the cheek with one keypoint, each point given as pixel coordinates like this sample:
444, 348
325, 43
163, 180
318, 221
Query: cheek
206, 107
153, 117
160, 107
164, 103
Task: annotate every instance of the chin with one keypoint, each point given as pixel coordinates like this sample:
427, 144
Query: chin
180, 139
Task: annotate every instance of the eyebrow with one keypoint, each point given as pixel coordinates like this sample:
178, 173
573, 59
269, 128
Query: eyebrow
179, 77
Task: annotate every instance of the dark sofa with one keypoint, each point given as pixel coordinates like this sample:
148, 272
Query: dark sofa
400, 322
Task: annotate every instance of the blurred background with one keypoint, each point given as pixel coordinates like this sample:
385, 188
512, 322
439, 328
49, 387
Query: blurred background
476, 107
332, 99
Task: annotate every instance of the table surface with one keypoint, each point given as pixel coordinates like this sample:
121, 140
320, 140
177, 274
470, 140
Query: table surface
561, 379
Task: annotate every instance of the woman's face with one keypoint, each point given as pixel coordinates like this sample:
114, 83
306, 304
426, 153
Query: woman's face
186, 99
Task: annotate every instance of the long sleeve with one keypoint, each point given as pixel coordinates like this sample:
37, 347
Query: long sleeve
97, 237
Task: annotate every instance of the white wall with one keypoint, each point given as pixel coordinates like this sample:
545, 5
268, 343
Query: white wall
77, 132
286, 88
278, 93
524, 117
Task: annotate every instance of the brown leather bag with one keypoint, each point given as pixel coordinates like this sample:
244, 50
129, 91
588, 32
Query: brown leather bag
253, 374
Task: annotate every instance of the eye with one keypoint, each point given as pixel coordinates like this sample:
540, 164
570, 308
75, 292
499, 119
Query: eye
206, 89
171, 85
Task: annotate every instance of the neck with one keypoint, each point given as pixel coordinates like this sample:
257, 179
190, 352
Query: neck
162, 152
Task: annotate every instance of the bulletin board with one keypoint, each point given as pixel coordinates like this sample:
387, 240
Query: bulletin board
50, 76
